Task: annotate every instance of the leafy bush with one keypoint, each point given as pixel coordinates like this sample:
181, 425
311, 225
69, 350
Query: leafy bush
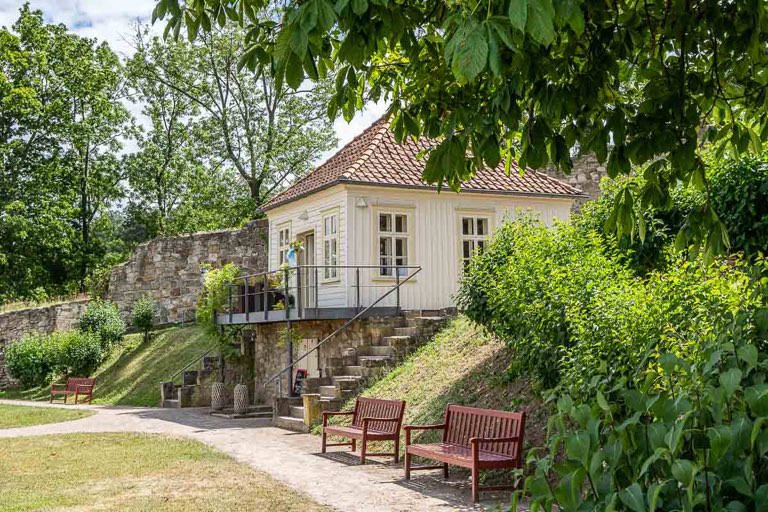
531, 279
213, 299
660, 383
688, 433
740, 198
29, 360
144, 315
103, 319
36, 360
76, 353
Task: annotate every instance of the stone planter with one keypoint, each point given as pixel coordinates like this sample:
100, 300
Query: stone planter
217, 396
241, 399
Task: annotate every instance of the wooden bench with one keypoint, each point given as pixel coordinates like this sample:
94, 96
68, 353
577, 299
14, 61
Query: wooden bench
77, 386
373, 419
472, 438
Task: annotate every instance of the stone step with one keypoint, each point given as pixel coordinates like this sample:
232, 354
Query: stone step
424, 321
170, 404
377, 350
261, 408
395, 341
290, 423
297, 412
327, 391
406, 331
346, 381
374, 361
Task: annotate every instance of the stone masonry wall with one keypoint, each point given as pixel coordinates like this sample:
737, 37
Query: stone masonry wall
169, 268
270, 354
585, 175
166, 268
44, 320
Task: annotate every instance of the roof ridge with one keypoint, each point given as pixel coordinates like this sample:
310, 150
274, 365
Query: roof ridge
354, 167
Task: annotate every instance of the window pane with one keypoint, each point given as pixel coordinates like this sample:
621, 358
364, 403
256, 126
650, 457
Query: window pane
386, 266
467, 226
385, 223
467, 248
482, 227
401, 247
480, 246
385, 246
401, 224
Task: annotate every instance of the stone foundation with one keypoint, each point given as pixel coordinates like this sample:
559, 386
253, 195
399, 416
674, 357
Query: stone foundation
270, 354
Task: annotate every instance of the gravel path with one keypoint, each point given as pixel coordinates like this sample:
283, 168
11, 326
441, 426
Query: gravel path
333, 479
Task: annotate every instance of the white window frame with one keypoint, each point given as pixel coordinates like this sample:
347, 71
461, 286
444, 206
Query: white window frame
393, 236
283, 243
473, 238
332, 242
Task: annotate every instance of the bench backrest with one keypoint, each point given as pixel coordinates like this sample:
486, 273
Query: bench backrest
73, 382
463, 423
377, 408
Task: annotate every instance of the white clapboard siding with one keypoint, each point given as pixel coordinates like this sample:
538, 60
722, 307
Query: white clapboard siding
434, 240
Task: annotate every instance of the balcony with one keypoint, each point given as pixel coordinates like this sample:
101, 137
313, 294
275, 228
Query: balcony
316, 292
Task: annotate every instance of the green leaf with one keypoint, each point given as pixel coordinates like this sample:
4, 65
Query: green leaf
632, 497
468, 51
602, 402
577, 447
294, 72
748, 354
540, 22
359, 7
518, 14
719, 441
730, 380
757, 399
684, 471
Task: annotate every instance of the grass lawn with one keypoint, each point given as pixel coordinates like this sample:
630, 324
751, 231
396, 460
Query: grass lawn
133, 472
134, 371
22, 416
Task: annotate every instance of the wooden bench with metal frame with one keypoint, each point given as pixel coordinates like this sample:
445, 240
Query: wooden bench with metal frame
373, 419
472, 438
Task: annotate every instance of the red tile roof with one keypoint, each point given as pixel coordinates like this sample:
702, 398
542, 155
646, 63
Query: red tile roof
375, 158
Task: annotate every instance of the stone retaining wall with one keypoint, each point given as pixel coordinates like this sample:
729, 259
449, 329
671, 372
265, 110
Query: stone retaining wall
169, 268
46, 319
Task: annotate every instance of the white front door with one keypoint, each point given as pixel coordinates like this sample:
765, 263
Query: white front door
309, 276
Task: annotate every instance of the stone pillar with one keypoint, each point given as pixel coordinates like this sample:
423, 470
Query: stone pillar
312, 410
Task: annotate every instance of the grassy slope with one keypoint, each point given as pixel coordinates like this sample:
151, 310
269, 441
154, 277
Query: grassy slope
462, 365
134, 370
133, 472
21, 416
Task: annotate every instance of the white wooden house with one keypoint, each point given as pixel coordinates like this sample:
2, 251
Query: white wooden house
364, 222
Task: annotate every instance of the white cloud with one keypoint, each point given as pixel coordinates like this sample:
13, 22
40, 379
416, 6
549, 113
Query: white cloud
112, 20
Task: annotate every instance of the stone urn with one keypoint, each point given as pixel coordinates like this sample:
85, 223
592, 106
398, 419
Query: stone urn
241, 399
217, 396
350, 356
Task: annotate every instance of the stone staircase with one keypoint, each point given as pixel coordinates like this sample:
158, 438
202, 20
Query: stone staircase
345, 376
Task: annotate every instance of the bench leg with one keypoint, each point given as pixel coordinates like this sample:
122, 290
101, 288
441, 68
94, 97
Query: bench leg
397, 450
475, 484
445, 471
354, 445
407, 465
324, 442
76, 397
363, 449
65, 399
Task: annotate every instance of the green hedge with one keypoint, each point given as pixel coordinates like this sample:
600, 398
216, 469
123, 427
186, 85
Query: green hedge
659, 382
36, 360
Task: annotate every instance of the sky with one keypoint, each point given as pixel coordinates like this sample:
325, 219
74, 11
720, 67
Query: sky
110, 21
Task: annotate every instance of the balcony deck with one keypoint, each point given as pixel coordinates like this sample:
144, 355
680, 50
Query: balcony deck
261, 298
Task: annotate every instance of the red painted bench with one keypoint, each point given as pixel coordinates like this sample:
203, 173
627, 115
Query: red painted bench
472, 438
77, 386
373, 419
